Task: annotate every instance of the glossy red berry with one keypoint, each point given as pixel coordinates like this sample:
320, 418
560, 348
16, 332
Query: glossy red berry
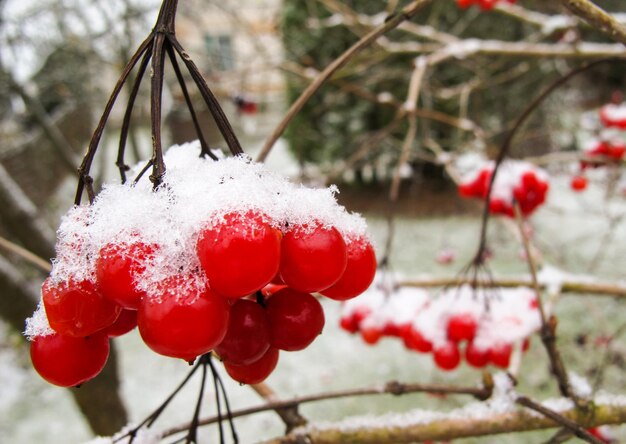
181, 319
68, 361
77, 308
125, 322
117, 267
371, 334
462, 327
239, 255
295, 319
312, 259
579, 183
255, 372
248, 334
415, 340
476, 357
359, 273
500, 355
447, 356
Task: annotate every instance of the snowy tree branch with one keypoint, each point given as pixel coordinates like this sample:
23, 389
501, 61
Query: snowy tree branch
473, 420
598, 18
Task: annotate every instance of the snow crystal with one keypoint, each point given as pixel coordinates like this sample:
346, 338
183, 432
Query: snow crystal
37, 324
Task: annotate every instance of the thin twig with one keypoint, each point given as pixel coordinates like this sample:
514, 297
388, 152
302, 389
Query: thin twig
406, 14
548, 326
575, 428
28, 256
598, 18
392, 388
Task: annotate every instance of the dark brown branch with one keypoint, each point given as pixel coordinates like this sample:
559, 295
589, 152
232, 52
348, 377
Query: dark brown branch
205, 148
156, 94
214, 107
128, 114
598, 18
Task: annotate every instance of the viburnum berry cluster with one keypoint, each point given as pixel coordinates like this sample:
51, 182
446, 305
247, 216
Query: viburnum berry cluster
516, 181
608, 147
485, 5
187, 263
481, 325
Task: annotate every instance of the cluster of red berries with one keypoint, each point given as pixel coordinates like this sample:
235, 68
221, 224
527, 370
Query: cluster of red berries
516, 181
613, 150
608, 148
213, 301
442, 326
485, 5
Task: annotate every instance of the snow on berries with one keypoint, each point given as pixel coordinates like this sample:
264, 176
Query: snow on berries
613, 115
516, 182
485, 5
480, 325
191, 264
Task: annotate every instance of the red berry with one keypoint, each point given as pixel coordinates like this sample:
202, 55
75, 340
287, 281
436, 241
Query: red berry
117, 268
415, 340
371, 334
182, 320
295, 319
447, 356
248, 334
359, 273
77, 308
500, 355
312, 260
349, 324
68, 361
465, 3
126, 321
255, 372
239, 255
476, 357
462, 327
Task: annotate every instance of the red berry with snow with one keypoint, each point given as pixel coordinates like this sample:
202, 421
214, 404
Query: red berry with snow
447, 356
462, 327
240, 254
359, 273
117, 269
500, 355
77, 308
312, 258
475, 356
183, 319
